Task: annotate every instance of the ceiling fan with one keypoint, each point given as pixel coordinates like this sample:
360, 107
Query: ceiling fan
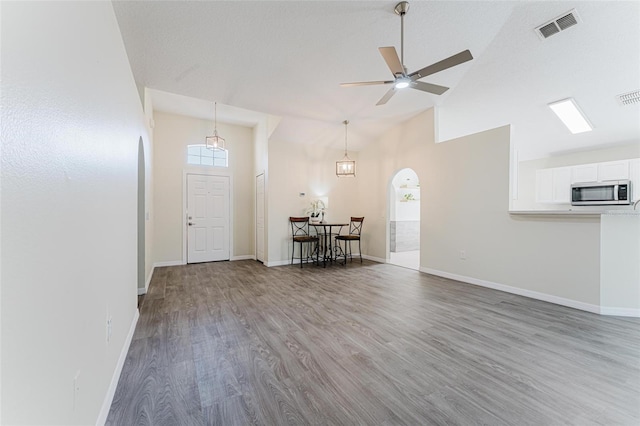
401, 78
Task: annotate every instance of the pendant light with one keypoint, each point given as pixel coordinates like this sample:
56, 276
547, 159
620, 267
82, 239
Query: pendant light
215, 142
345, 167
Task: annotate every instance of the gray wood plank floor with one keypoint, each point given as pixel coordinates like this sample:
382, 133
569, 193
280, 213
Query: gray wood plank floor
236, 343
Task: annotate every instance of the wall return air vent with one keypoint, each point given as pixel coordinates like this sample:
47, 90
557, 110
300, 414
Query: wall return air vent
560, 23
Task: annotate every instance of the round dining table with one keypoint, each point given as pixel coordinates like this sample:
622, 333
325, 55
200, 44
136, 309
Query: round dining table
324, 230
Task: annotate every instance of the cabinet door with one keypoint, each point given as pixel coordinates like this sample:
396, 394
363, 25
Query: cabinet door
613, 170
544, 186
561, 184
584, 173
634, 176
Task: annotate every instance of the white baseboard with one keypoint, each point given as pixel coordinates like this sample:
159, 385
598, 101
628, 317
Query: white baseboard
111, 391
278, 263
519, 291
169, 263
620, 312
243, 257
373, 258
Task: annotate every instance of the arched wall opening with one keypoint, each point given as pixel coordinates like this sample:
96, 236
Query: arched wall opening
404, 219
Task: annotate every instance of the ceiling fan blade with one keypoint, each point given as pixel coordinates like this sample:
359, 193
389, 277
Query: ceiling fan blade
428, 87
451, 61
391, 58
387, 96
365, 83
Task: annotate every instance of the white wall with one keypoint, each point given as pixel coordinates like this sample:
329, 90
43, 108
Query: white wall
295, 168
172, 134
71, 121
464, 206
620, 254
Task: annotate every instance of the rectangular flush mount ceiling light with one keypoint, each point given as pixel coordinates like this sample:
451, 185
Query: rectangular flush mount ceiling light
567, 110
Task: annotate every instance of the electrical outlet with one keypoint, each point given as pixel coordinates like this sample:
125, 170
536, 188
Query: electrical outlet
463, 255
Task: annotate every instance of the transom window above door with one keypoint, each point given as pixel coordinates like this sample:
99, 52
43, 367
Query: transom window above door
199, 155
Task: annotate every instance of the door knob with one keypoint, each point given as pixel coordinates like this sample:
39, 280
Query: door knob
191, 223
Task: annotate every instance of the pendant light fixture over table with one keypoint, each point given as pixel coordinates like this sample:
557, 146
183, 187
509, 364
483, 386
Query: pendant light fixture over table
345, 167
215, 142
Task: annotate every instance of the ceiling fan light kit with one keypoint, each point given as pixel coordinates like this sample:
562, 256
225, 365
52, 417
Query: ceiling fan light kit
401, 78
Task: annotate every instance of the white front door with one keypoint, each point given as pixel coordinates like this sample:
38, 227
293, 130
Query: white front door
208, 218
260, 217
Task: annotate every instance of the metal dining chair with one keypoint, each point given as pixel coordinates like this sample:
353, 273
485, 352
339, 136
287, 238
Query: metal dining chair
355, 230
300, 233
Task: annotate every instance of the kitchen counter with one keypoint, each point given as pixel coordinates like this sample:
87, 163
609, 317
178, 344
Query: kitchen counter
619, 212
622, 212
558, 212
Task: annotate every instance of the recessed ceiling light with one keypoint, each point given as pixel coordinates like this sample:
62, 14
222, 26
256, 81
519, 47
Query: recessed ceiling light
567, 110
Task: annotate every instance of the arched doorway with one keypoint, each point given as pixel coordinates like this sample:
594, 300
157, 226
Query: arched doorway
404, 219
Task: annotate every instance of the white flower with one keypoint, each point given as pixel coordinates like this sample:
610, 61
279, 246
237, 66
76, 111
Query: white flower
317, 207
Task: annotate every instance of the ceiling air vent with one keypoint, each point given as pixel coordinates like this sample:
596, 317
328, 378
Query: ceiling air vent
560, 23
629, 98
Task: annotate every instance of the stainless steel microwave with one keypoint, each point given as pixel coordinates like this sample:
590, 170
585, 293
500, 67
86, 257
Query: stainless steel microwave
601, 193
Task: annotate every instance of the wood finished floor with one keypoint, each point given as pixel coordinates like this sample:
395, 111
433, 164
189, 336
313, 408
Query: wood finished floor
236, 343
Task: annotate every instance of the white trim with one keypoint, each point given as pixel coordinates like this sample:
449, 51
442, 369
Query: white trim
278, 263
168, 263
243, 257
375, 259
195, 170
255, 214
111, 391
144, 290
146, 285
620, 312
515, 290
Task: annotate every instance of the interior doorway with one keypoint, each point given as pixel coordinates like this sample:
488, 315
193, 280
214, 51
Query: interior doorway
404, 219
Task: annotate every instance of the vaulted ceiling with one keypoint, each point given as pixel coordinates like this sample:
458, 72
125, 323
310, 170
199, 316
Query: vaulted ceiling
287, 58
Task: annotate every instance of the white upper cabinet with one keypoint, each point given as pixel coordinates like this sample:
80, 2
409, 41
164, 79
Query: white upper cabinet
544, 186
562, 185
613, 170
554, 185
584, 173
634, 177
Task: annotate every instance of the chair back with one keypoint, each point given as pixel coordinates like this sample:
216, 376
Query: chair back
299, 225
355, 227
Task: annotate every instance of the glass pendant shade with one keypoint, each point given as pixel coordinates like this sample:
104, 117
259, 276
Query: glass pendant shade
215, 142
345, 167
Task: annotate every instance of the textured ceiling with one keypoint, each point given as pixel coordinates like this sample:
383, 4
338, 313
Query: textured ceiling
288, 58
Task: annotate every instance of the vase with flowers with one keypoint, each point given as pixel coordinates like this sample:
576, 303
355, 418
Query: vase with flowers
316, 211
